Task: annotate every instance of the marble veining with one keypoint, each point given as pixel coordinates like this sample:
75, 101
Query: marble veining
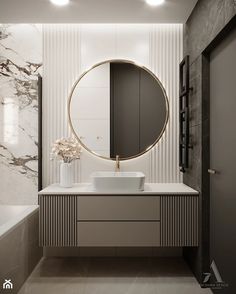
20, 65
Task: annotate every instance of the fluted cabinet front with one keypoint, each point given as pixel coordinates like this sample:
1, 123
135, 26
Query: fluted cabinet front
179, 221
57, 221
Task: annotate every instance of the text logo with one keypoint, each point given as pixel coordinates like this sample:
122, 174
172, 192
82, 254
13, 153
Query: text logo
218, 284
7, 284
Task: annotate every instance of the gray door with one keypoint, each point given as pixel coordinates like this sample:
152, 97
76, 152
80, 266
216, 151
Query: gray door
223, 160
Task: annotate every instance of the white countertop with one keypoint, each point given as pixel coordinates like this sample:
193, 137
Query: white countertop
149, 189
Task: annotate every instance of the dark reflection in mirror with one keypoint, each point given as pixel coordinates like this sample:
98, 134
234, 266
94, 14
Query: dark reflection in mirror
118, 108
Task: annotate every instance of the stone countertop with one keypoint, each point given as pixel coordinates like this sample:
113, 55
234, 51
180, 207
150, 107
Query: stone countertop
149, 189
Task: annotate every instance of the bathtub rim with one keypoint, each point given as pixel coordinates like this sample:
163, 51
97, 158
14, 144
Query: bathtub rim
18, 219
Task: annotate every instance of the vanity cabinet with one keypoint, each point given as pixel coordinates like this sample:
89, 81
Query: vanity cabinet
79, 217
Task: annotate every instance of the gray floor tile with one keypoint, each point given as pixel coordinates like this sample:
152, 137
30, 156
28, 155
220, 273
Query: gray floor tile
112, 275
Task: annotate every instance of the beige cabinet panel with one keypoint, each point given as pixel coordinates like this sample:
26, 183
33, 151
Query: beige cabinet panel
118, 234
118, 208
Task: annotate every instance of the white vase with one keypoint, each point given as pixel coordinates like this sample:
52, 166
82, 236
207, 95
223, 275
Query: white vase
66, 175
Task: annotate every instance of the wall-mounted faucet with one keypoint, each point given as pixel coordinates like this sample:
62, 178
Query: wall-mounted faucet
117, 169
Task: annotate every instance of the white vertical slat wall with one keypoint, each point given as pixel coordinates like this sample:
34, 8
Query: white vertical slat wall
68, 49
165, 54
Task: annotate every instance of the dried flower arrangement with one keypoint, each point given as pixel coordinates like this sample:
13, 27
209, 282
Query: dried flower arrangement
66, 149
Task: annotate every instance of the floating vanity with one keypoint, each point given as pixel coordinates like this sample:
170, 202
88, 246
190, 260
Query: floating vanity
118, 209
164, 215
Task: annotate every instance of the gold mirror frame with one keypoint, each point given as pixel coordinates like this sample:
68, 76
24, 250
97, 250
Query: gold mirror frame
121, 61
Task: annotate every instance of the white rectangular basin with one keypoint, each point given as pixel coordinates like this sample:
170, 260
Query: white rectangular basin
118, 181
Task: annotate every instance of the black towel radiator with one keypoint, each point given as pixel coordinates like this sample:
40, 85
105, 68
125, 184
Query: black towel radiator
184, 90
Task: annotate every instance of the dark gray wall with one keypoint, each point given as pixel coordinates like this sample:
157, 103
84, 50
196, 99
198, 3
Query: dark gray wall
207, 20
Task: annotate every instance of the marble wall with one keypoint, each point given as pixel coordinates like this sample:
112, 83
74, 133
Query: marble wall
20, 64
207, 20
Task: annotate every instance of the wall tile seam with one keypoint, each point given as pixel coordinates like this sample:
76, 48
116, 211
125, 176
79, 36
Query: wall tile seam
195, 59
195, 125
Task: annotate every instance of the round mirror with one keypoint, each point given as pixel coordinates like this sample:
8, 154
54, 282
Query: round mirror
118, 108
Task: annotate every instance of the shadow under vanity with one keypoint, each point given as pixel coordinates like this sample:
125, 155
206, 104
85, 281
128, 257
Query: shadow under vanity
118, 111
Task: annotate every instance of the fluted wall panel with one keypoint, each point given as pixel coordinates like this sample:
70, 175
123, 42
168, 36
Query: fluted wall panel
69, 49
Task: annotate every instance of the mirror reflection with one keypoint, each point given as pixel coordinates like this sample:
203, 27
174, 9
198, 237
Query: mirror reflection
118, 108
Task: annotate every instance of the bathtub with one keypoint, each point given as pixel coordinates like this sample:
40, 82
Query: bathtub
12, 215
19, 250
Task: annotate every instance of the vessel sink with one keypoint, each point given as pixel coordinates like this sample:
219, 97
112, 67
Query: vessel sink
118, 181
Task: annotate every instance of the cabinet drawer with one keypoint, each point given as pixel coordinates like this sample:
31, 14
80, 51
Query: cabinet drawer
118, 234
118, 208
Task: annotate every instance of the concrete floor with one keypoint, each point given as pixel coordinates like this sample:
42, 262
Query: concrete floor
112, 276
